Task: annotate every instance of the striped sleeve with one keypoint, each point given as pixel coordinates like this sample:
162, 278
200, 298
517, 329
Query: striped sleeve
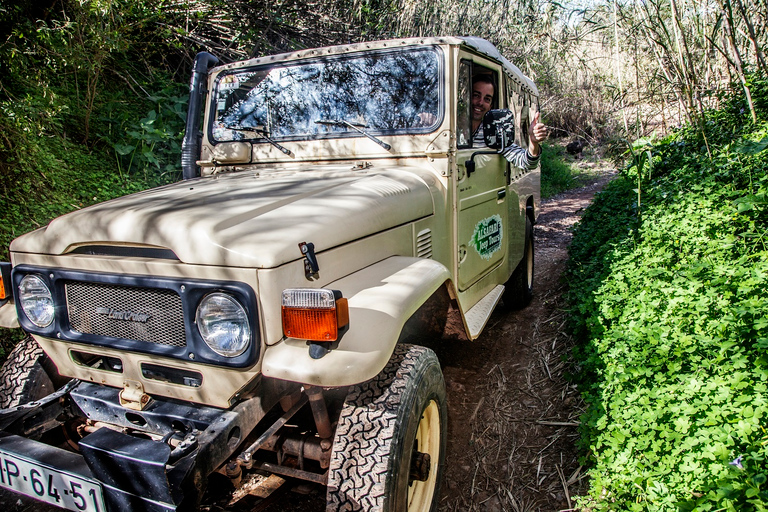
516, 155
520, 157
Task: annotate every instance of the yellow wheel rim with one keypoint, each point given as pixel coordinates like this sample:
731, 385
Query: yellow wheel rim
420, 494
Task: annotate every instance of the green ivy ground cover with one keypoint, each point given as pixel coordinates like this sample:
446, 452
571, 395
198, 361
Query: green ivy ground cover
669, 301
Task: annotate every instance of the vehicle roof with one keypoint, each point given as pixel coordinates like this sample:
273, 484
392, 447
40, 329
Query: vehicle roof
477, 44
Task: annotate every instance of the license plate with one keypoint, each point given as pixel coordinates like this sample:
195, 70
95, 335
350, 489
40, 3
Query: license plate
50, 485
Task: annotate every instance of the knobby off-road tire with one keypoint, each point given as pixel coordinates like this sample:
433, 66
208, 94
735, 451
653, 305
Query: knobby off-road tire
23, 378
519, 289
383, 422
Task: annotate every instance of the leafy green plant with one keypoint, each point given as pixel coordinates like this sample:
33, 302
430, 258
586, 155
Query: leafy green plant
556, 174
81, 79
743, 488
153, 143
667, 298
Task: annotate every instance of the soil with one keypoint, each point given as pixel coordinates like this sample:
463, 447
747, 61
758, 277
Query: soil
513, 416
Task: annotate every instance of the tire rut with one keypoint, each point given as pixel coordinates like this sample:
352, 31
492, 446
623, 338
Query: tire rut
513, 416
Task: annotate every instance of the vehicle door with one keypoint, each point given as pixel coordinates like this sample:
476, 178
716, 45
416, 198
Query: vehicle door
481, 194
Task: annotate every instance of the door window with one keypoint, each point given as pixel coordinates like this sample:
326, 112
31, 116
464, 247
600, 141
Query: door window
471, 74
464, 116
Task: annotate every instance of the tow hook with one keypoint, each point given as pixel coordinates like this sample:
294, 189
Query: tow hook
133, 396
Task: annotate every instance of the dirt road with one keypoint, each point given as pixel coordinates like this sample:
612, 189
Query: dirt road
512, 416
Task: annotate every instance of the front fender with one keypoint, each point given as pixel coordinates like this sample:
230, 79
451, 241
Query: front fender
381, 298
8, 318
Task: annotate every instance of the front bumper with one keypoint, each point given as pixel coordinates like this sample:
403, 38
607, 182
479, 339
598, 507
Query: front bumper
60, 471
157, 459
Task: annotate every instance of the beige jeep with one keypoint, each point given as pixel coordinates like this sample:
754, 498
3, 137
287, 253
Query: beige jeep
265, 313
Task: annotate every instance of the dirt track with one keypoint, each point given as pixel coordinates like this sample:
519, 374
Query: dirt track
512, 416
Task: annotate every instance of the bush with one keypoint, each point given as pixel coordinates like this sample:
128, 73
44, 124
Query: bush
556, 175
81, 121
667, 283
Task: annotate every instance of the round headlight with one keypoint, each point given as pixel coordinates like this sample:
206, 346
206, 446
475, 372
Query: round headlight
223, 324
36, 300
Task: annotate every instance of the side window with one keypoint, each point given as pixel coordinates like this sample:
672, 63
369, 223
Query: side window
464, 114
477, 90
514, 103
525, 118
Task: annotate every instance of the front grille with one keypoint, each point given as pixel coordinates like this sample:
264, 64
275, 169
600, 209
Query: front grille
130, 313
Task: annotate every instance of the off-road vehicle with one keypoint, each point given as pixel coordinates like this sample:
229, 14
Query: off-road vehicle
265, 314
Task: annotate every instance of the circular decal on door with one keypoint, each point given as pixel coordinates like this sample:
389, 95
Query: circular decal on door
487, 236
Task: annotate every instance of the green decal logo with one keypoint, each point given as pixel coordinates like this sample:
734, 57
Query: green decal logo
487, 237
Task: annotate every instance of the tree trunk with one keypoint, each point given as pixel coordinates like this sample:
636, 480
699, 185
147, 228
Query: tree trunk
728, 19
618, 68
647, 26
752, 37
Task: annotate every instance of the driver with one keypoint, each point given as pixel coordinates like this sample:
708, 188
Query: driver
482, 99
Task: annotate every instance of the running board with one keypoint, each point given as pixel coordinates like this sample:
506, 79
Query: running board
478, 315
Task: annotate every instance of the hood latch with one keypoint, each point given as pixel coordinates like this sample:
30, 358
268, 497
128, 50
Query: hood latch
311, 268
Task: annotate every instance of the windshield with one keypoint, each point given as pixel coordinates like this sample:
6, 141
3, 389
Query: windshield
385, 92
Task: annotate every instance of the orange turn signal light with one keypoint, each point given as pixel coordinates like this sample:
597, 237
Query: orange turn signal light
5, 280
314, 314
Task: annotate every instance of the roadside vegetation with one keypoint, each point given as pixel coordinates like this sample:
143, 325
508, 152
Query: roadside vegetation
558, 173
667, 278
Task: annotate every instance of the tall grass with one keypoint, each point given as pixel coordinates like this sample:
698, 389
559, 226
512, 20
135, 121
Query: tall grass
557, 175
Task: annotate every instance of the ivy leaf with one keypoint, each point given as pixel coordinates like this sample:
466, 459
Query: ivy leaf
749, 202
124, 149
751, 147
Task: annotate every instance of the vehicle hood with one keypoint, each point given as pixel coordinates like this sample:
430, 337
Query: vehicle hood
252, 219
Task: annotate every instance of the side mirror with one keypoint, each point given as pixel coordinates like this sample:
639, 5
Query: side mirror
498, 132
499, 128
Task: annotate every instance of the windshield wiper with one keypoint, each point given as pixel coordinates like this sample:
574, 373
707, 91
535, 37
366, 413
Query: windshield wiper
264, 135
354, 126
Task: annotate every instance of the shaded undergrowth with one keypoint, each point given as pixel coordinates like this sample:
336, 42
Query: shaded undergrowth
558, 172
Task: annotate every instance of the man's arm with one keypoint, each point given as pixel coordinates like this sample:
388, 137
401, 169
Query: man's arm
517, 156
520, 157
537, 132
